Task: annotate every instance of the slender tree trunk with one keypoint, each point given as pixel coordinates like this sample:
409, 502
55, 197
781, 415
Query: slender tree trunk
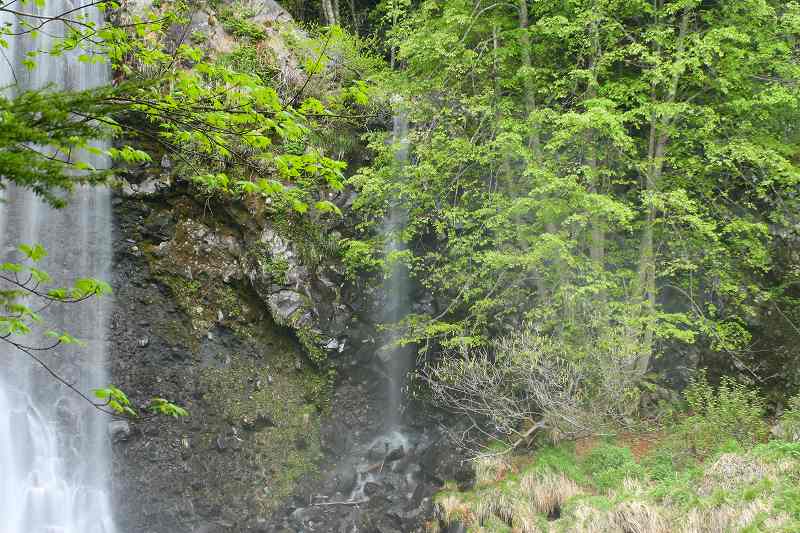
657, 149
597, 245
354, 14
506, 172
598, 236
534, 143
393, 51
329, 11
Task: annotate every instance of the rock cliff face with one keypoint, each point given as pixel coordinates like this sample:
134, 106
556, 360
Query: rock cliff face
187, 325
222, 312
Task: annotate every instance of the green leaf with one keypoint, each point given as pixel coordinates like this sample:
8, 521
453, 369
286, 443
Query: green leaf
325, 206
34, 253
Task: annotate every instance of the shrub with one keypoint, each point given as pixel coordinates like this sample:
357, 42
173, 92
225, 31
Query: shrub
610, 465
237, 23
788, 427
529, 381
731, 411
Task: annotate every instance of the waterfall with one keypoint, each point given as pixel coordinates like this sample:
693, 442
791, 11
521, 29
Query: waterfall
54, 451
397, 289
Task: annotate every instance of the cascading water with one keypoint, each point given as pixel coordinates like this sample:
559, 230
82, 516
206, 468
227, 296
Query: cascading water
395, 361
54, 452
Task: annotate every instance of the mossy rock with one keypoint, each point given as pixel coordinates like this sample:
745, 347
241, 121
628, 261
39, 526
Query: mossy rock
269, 423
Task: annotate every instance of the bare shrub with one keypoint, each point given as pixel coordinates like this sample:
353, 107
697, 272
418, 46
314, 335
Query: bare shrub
529, 382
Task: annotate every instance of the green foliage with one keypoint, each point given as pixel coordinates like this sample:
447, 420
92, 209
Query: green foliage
789, 421
277, 269
236, 22
599, 161
311, 342
778, 449
164, 407
610, 465
116, 400
36, 119
20, 280
358, 257
560, 458
223, 122
731, 411
254, 60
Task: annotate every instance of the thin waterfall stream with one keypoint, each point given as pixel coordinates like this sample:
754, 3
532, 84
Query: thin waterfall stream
395, 360
54, 449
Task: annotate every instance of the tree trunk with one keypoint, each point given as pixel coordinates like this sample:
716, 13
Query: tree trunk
534, 143
354, 14
657, 149
598, 237
329, 11
337, 17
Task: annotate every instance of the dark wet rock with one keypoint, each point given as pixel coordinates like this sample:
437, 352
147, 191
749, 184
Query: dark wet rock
119, 430
336, 439
395, 455
148, 187
456, 527
258, 423
378, 451
209, 468
441, 461
371, 489
346, 478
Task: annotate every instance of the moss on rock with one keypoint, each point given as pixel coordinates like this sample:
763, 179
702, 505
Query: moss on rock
259, 401
274, 429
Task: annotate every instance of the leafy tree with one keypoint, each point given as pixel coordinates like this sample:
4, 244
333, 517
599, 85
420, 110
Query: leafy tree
225, 128
592, 164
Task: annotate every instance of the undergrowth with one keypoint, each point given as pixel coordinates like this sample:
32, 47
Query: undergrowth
713, 469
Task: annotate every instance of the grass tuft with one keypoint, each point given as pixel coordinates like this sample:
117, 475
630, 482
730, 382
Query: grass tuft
640, 517
549, 491
491, 469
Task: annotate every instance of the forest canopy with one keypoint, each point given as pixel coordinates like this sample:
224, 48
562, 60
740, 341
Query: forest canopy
597, 164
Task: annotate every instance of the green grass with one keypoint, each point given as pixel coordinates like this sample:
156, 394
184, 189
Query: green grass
711, 469
720, 488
